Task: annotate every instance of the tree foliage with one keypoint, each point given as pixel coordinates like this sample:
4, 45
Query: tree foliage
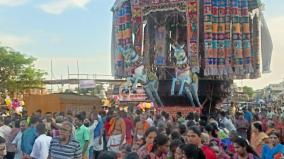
249, 91
17, 72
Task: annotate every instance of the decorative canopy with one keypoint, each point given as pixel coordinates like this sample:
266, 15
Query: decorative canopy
222, 37
149, 6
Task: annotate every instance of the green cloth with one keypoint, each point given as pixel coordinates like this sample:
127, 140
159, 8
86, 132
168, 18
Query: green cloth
181, 120
28, 120
82, 135
222, 134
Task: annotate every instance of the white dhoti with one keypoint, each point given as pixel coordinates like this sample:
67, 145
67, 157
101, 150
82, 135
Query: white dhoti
114, 142
97, 146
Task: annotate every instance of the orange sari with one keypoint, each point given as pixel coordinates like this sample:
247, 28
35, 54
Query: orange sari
257, 142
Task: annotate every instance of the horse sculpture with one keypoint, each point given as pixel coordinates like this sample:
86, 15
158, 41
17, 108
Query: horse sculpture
188, 81
139, 74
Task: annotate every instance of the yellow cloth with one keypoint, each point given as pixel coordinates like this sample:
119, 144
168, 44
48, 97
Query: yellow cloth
257, 141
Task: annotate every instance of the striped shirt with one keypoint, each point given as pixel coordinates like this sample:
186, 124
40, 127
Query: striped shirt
71, 150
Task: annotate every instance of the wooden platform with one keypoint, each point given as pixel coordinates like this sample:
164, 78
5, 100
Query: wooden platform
184, 110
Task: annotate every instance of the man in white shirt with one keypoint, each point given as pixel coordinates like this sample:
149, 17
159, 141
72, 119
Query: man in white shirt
150, 121
42, 143
5, 130
270, 113
18, 140
227, 122
91, 128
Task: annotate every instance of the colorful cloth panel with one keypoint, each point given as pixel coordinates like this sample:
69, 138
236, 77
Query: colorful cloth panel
215, 41
237, 38
193, 34
241, 38
123, 37
246, 37
227, 38
123, 30
137, 24
217, 22
210, 60
221, 32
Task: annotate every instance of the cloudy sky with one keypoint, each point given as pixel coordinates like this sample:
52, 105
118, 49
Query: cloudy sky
66, 31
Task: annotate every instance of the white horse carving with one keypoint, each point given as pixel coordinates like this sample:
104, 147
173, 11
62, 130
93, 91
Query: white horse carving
184, 76
148, 81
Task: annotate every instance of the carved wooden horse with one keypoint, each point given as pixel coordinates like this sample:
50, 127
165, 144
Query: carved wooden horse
184, 76
147, 79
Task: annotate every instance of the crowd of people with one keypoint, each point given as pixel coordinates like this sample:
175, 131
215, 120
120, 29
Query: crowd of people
115, 134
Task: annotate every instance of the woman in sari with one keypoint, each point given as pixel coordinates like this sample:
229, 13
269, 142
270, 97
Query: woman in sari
160, 147
217, 147
150, 135
242, 125
258, 137
244, 150
273, 150
194, 137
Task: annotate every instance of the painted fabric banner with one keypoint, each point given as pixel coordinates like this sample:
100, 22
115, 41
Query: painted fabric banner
137, 24
160, 45
123, 36
193, 34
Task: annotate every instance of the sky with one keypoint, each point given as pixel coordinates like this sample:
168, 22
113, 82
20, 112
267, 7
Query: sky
67, 31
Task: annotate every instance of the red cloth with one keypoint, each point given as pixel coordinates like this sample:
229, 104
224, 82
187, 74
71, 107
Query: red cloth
231, 149
129, 127
264, 121
278, 156
209, 153
280, 127
107, 126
